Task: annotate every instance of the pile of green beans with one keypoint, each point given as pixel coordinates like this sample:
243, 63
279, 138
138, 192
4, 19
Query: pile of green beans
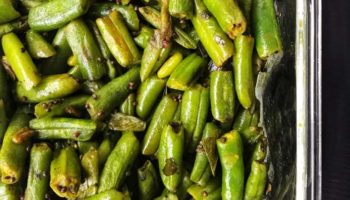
141, 100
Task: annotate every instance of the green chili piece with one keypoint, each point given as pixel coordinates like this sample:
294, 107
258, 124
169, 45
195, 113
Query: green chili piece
8, 12
184, 39
230, 150
245, 119
229, 16
20, 61
256, 182
145, 35
17, 25
251, 134
39, 168
59, 107
243, 70
89, 163
147, 95
119, 162
219, 47
187, 72
65, 172
51, 87
63, 128
128, 13
147, 181
128, 106
12, 155
170, 154
56, 13
112, 95
182, 9
169, 66
108, 195
84, 46
222, 95
265, 28
57, 63
211, 191
163, 114
118, 39
37, 45
122, 122
104, 150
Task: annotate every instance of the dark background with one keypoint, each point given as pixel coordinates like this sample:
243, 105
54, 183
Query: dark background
336, 99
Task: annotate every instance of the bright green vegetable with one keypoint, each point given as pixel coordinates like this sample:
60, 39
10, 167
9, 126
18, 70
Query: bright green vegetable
56, 13
65, 173
211, 191
246, 119
222, 95
170, 154
12, 155
51, 87
219, 47
265, 28
8, 12
21, 63
63, 128
107, 195
10, 192
229, 16
111, 95
39, 168
128, 106
84, 46
230, 150
169, 66
256, 182
243, 70
89, 163
144, 36
37, 45
147, 181
163, 114
182, 9
119, 162
147, 95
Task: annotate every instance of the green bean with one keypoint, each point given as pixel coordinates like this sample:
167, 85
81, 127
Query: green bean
229, 16
128, 13
12, 155
111, 95
59, 107
230, 150
17, 25
65, 172
122, 122
169, 66
29, 4
56, 13
170, 154
144, 36
104, 150
256, 182
186, 73
118, 39
38, 178
245, 119
152, 16
89, 163
147, 181
112, 72
265, 28
148, 94
128, 106
3, 119
10, 191
8, 12
204, 179
84, 46
211, 191
163, 114
119, 161
222, 97
38, 47
219, 47
51, 87
57, 63
243, 70
194, 107
182, 9
21, 63
107, 195
63, 128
